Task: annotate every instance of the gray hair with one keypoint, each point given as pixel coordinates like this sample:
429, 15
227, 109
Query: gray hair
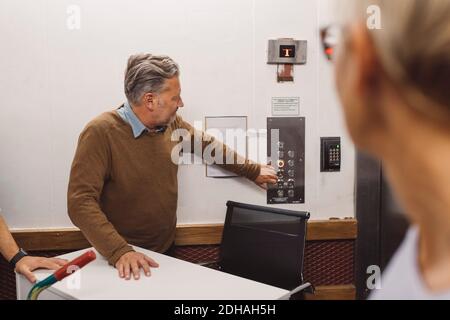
147, 73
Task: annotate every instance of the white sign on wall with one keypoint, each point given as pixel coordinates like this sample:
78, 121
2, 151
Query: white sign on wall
285, 106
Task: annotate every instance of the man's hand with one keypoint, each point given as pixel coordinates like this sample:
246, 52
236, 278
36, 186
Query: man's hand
267, 175
27, 264
131, 262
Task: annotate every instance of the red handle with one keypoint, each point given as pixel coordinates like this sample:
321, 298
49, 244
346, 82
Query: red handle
74, 265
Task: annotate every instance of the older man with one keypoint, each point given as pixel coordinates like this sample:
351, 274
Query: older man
123, 183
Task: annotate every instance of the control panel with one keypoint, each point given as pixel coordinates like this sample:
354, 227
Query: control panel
330, 154
286, 151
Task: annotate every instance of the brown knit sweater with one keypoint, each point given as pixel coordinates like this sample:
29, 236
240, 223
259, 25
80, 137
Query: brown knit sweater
123, 191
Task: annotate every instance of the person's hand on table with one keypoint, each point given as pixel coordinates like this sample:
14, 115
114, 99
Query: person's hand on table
28, 264
132, 262
266, 176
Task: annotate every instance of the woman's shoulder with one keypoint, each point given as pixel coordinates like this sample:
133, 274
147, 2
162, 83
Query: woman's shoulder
398, 279
402, 279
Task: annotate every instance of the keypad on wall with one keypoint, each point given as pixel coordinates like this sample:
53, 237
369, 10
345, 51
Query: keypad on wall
331, 154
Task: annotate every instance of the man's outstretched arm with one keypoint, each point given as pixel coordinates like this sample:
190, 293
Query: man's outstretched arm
228, 159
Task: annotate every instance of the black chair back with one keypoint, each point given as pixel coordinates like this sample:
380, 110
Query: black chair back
264, 244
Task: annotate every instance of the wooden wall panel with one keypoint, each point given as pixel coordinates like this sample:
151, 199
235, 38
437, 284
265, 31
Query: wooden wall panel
73, 239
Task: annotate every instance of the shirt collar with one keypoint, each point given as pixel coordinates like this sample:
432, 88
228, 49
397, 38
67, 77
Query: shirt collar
128, 115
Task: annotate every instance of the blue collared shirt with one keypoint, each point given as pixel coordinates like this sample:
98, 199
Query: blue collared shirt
127, 114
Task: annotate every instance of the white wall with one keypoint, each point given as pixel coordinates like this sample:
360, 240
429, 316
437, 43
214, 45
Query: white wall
54, 80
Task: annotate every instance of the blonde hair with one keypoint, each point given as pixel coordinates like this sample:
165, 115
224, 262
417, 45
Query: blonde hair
413, 46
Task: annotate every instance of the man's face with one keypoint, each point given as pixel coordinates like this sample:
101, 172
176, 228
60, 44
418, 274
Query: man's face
168, 101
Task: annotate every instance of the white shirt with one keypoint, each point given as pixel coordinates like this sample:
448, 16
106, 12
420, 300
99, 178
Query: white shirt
402, 279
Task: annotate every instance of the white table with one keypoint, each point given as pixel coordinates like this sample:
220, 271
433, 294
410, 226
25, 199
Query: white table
173, 280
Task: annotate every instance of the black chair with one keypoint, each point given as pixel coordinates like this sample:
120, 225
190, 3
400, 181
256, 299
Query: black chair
265, 244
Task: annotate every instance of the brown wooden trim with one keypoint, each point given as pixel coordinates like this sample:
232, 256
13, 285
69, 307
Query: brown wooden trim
198, 234
73, 239
317, 230
48, 240
345, 229
340, 292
